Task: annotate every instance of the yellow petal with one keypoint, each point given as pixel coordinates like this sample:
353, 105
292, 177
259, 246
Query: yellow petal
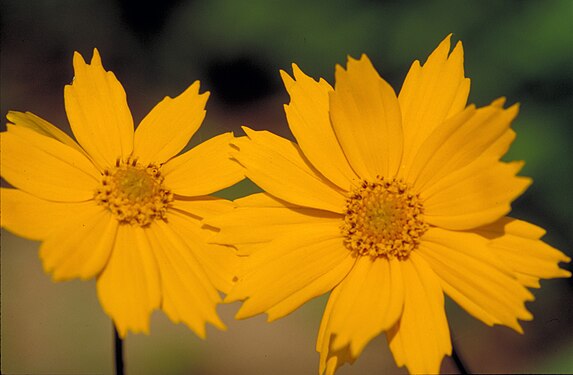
165, 131
278, 167
370, 301
34, 218
475, 277
237, 225
330, 360
81, 245
316, 288
289, 264
262, 200
458, 142
474, 196
518, 244
309, 120
431, 94
366, 118
204, 169
188, 295
97, 109
31, 121
203, 206
219, 262
422, 337
129, 286
45, 167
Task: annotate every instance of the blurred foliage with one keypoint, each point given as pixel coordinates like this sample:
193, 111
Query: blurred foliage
520, 49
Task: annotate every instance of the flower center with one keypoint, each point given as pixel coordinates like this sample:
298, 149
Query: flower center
383, 219
134, 193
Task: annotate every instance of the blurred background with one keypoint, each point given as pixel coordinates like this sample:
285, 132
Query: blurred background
519, 49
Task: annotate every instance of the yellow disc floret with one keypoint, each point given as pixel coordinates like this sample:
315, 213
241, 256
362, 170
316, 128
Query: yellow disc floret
383, 219
134, 193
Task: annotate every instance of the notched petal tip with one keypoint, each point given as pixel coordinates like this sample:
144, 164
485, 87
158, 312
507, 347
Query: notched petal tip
96, 58
78, 61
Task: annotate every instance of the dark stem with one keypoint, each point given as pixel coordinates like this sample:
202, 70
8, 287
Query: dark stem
462, 369
118, 352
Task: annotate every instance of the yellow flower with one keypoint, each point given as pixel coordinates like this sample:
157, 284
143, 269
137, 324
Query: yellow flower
119, 205
388, 202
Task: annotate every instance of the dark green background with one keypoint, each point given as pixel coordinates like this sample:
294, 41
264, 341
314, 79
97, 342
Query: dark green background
522, 50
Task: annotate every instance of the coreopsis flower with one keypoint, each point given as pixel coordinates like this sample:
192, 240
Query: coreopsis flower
388, 202
118, 205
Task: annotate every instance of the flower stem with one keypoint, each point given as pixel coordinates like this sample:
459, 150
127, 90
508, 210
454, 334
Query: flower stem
462, 369
118, 352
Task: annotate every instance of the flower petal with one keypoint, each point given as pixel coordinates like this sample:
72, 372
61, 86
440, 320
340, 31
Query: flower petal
203, 206
188, 294
300, 260
518, 244
236, 226
45, 167
278, 167
97, 109
309, 120
475, 277
366, 118
370, 301
165, 131
330, 360
431, 94
471, 135
129, 286
422, 337
219, 262
81, 245
34, 218
204, 169
474, 196
43, 127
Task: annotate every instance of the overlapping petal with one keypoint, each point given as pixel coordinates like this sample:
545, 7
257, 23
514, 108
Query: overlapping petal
202, 206
165, 131
310, 259
366, 118
474, 196
97, 109
279, 167
369, 301
38, 124
187, 294
219, 262
431, 94
129, 286
80, 246
472, 274
330, 360
518, 244
46, 167
309, 120
421, 338
270, 222
472, 134
204, 169
34, 218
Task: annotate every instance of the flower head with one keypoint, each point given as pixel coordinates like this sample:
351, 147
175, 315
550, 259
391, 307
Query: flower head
119, 205
388, 202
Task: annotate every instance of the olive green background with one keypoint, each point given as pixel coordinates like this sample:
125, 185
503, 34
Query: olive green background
519, 49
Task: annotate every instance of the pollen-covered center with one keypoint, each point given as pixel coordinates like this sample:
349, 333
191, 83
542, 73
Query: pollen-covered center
383, 219
134, 193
